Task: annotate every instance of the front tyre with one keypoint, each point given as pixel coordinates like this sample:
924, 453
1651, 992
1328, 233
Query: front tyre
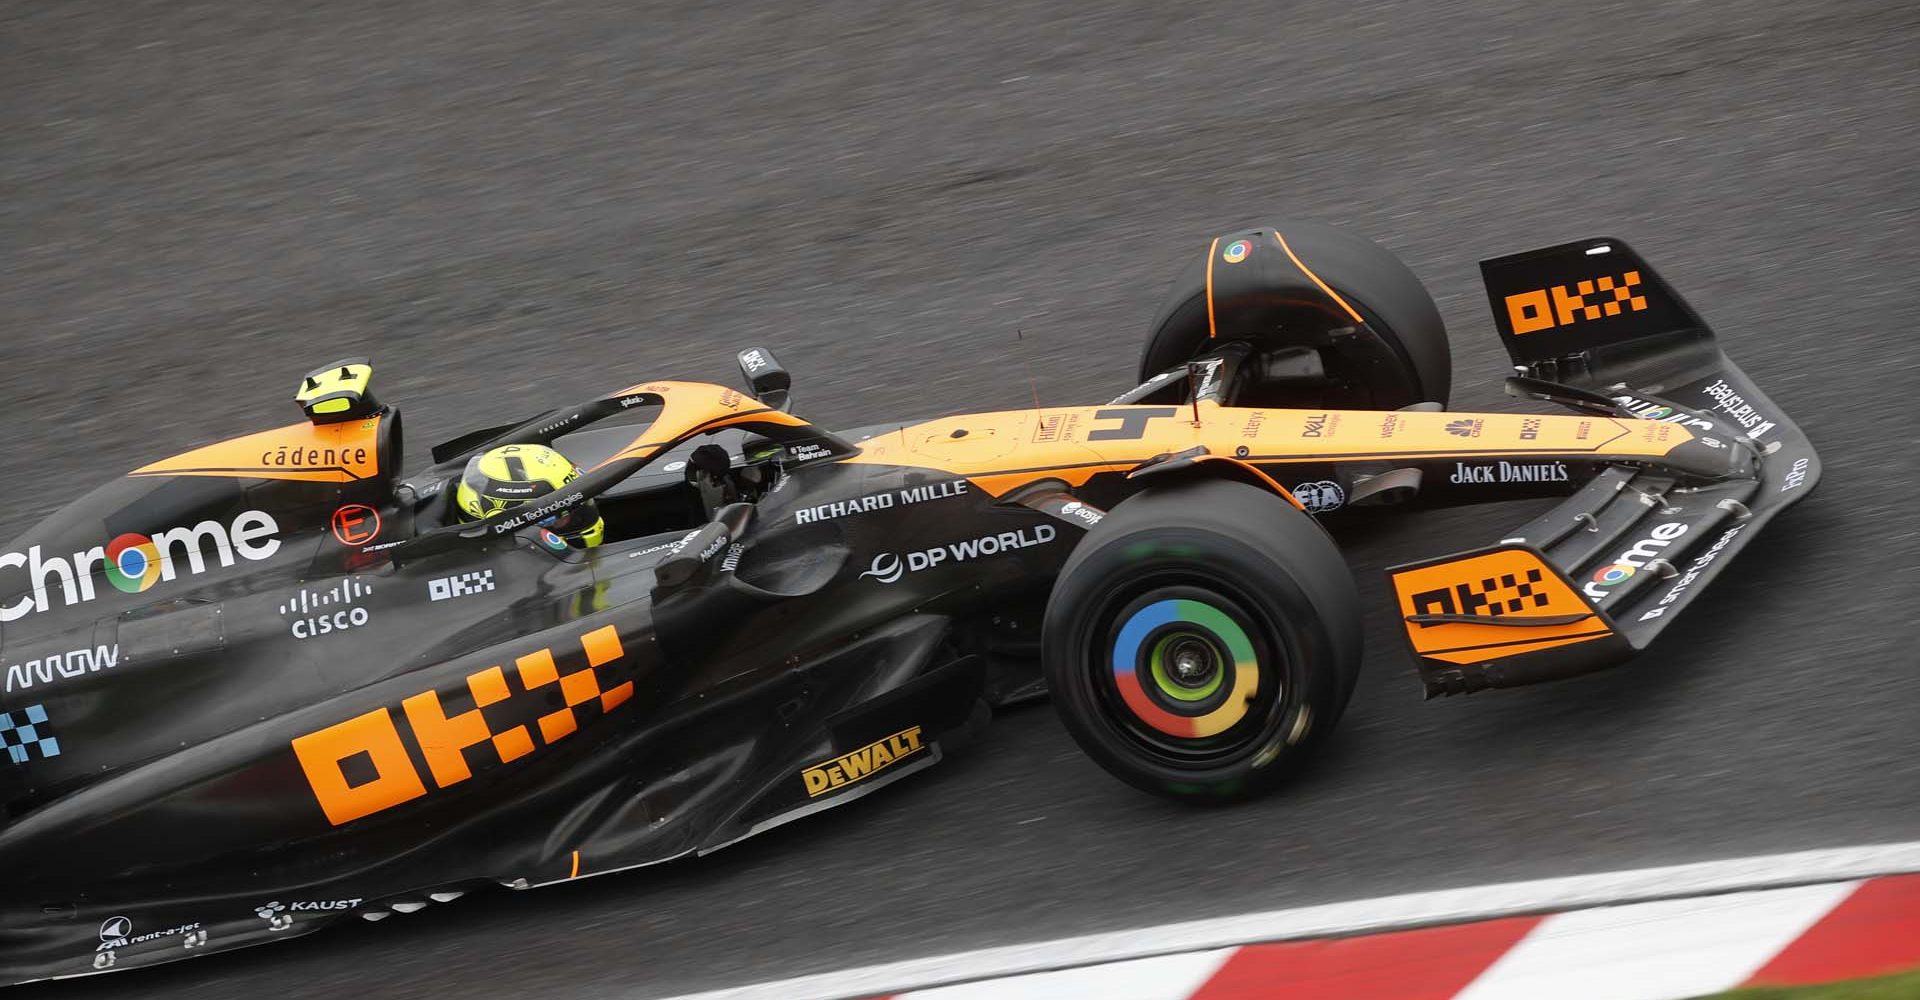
1300, 287
1202, 639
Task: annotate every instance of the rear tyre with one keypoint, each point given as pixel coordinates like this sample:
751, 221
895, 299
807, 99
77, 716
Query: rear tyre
1263, 291
1202, 639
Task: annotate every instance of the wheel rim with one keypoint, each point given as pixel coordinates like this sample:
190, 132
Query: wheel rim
1183, 672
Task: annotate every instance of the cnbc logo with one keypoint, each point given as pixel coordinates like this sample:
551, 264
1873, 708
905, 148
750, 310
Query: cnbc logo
132, 563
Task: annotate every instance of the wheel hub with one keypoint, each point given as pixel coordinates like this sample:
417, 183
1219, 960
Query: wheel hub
1193, 661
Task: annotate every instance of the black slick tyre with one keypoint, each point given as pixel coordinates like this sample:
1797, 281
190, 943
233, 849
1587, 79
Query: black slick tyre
1202, 639
1299, 285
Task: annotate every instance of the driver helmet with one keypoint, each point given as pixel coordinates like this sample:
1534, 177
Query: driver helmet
511, 475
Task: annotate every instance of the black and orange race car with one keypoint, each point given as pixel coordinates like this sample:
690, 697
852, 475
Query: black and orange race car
272, 682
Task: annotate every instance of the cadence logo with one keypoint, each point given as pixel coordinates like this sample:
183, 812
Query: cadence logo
133, 563
1634, 559
888, 567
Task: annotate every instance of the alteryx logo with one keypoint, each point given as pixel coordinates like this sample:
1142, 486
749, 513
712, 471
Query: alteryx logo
132, 563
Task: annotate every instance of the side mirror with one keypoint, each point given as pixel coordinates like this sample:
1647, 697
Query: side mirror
767, 379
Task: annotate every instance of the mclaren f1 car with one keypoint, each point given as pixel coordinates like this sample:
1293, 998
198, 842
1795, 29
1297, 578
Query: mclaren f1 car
276, 681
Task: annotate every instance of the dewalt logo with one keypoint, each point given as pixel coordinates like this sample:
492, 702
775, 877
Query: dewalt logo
862, 763
1561, 305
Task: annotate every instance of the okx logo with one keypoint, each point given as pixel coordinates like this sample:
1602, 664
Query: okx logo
449, 587
133, 563
365, 765
1561, 305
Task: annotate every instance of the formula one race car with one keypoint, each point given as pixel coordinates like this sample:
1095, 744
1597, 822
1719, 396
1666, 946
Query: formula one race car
269, 683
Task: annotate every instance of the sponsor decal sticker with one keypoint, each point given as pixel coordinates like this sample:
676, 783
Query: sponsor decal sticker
1734, 405
1056, 427
279, 916
863, 763
888, 567
1625, 565
881, 501
533, 514
1796, 476
1465, 428
1081, 512
753, 360
1320, 425
1236, 251
1563, 305
356, 524
1254, 421
808, 452
1646, 410
26, 733
674, 546
311, 614
551, 540
52, 666
364, 765
1530, 429
732, 560
1507, 594
1508, 472
117, 933
465, 584
1320, 496
134, 563
1693, 573
313, 458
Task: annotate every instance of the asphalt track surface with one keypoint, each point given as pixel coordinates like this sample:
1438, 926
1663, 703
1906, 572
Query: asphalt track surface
516, 204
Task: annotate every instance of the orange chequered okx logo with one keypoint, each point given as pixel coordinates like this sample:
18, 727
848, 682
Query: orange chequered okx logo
1561, 305
362, 766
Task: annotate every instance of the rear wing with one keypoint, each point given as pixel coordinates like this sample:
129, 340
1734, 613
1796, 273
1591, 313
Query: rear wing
1595, 579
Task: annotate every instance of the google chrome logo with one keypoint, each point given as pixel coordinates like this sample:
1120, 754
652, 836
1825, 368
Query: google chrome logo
1237, 251
133, 563
1614, 575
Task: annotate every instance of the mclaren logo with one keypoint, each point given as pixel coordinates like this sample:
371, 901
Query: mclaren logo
862, 763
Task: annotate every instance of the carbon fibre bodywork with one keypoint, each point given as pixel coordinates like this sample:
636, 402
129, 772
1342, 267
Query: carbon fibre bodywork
269, 684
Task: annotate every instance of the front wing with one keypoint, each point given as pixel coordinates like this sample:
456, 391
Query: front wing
1595, 579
